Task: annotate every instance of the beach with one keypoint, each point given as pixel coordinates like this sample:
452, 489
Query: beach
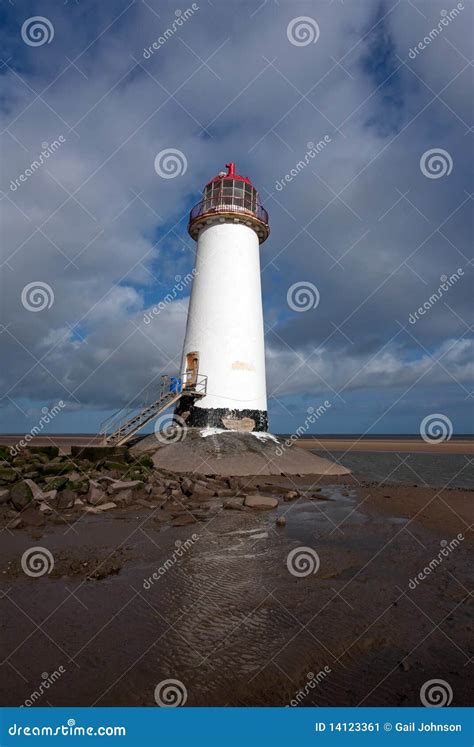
219, 605
354, 443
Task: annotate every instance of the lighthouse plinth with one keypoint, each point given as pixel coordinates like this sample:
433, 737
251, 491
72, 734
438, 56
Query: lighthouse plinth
224, 333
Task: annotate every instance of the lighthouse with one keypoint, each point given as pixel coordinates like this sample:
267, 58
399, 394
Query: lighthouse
224, 341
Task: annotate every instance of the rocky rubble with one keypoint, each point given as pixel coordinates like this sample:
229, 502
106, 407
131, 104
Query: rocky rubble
40, 485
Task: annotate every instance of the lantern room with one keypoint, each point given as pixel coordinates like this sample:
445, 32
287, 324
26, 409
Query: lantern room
229, 197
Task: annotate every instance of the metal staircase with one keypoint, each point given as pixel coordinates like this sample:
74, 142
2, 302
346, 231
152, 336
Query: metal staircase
120, 427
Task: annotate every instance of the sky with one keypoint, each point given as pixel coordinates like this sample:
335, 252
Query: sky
364, 231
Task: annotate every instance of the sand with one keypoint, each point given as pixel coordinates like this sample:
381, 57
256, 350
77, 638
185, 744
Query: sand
229, 620
351, 443
408, 446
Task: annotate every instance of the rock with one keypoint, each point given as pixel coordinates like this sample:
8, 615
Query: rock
31, 475
187, 486
260, 501
291, 495
145, 504
74, 475
176, 494
201, 493
234, 504
95, 496
35, 489
125, 492
56, 483
118, 485
404, 665
137, 473
19, 462
15, 523
78, 502
224, 492
183, 520
172, 484
145, 460
4, 495
81, 486
124, 497
65, 499
57, 468
103, 481
99, 509
21, 495
51, 452
44, 508
94, 453
158, 492
281, 521
49, 495
7, 475
117, 466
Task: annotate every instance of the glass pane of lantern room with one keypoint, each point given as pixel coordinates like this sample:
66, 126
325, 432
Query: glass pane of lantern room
254, 199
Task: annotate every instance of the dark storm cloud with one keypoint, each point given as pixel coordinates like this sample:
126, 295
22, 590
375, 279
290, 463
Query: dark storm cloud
360, 220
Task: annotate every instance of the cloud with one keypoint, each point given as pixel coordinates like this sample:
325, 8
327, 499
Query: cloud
108, 235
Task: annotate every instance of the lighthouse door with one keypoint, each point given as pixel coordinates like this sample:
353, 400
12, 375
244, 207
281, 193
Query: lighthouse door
192, 368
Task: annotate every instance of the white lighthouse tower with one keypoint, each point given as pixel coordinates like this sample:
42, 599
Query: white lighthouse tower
224, 333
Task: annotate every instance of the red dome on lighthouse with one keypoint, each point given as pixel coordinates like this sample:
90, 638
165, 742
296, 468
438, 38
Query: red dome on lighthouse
231, 174
229, 196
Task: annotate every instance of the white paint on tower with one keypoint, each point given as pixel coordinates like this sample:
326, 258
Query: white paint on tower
225, 320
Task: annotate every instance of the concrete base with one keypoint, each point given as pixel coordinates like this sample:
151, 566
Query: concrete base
234, 453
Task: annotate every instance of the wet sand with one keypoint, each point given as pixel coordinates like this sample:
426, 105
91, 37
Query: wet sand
65, 441
229, 620
405, 446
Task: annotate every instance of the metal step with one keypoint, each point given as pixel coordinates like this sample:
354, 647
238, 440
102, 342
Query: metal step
119, 430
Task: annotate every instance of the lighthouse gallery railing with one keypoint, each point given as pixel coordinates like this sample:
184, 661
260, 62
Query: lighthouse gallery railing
232, 204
